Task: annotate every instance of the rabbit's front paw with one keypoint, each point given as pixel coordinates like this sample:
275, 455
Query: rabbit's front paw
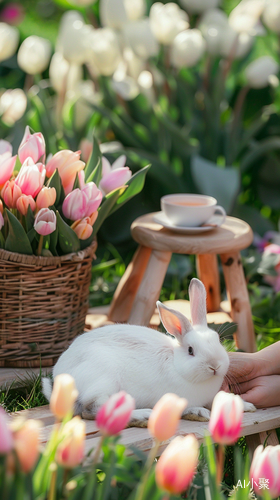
248, 406
197, 413
139, 418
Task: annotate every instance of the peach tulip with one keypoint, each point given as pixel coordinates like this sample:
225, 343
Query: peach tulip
115, 175
1, 207
83, 227
46, 197
31, 177
32, 146
115, 414
45, 222
176, 467
266, 465
7, 165
6, 438
64, 395
10, 194
1, 221
70, 451
26, 443
68, 165
165, 416
226, 418
23, 203
94, 197
86, 149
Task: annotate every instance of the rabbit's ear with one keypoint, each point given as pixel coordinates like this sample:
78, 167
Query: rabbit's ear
173, 321
197, 294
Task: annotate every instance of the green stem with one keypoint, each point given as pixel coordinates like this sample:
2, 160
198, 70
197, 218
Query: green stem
98, 450
220, 463
40, 246
150, 460
52, 490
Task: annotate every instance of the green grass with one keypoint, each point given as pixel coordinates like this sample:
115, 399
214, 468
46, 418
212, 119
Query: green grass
22, 394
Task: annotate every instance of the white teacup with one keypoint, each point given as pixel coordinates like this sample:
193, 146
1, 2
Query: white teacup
190, 210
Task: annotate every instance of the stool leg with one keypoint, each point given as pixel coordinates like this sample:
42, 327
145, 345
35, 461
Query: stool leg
208, 273
127, 288
149, 289
239, 300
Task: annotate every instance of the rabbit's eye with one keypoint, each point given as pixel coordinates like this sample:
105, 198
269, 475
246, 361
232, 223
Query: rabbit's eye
191, 353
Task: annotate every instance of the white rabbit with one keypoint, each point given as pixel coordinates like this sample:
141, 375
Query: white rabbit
147, 364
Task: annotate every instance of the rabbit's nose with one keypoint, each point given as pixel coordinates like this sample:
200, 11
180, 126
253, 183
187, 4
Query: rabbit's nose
214, 369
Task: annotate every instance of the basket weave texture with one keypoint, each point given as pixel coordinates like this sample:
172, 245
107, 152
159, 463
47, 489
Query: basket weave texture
43, 305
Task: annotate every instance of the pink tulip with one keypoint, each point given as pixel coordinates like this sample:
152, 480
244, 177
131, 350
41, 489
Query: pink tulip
45, 222
176, 467
23, 203
226, 418
10, 194
94, 197
12, 14
68, 165
7, 165
114, 415
266, 465
5, 147
1, 221
32, 146
114, 176
81, 176
26, 443
165, 416
6, 438
70, 451
83, 227
64, 395
46, 197
31, 177
74, 206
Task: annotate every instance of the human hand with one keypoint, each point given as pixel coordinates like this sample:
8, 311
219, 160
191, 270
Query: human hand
263, 391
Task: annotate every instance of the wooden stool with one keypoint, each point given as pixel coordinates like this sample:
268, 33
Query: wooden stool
135, 298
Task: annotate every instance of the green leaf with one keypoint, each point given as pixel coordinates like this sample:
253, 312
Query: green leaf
135, 185
2, 240
76, 183
106, 208
53, 242
222, 183
67, 238
55, 182
263, 147
29, 220
31, 234
17, 240
93, 170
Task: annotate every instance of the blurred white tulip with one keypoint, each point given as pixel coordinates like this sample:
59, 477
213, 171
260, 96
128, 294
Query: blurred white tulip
134, 64
187, 48
34, 55
13, 104
84, 95
126, 87
138, 35
198, 6
271, 15
245, 16
64, 76
166, 21
9, 38
73, 38
135, 9
112, 13
236, 45
105, 51
146, 85
258, 72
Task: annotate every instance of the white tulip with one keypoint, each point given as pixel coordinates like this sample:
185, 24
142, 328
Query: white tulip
134, 64
135, 9
212, 25
258, 72
105, 50
84, 95
13, 104
187, 48
245, 16
167, 21
9, 38
73, 38
236, 45
34, 54
198, 6
138, 35
126, 87
146, 85
64, 76
271, 15
112, 13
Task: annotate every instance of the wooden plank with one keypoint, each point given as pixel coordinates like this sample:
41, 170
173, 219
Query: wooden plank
15, 376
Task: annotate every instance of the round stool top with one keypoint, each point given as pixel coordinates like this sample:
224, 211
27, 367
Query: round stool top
233, 235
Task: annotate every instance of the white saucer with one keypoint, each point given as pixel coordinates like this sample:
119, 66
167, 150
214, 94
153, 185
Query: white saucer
214, 222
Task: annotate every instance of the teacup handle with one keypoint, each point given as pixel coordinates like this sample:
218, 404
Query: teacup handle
222, 211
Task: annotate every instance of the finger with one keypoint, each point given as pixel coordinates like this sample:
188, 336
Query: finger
247, 386
253, 396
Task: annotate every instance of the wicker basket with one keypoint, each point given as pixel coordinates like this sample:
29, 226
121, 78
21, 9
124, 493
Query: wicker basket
43, 305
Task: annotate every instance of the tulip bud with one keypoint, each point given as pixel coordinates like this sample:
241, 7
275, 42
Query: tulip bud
165, 416
45, 222
64, 395
31, 177
259, 71
198, 6
187, 48
176, 466
73, 38
26, 443
114, 415
32, 145
68, 165
64, 76
7, 164
94, 197
9, 38
34, 55
70, 451
10, 194
83, 227
266, 465
167, 21
226, 418
75, 205
271, 15
139, 37
134, 9
114, 176
245, 16
13, 104
46, 197
23, 203
6, 438
105, 50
